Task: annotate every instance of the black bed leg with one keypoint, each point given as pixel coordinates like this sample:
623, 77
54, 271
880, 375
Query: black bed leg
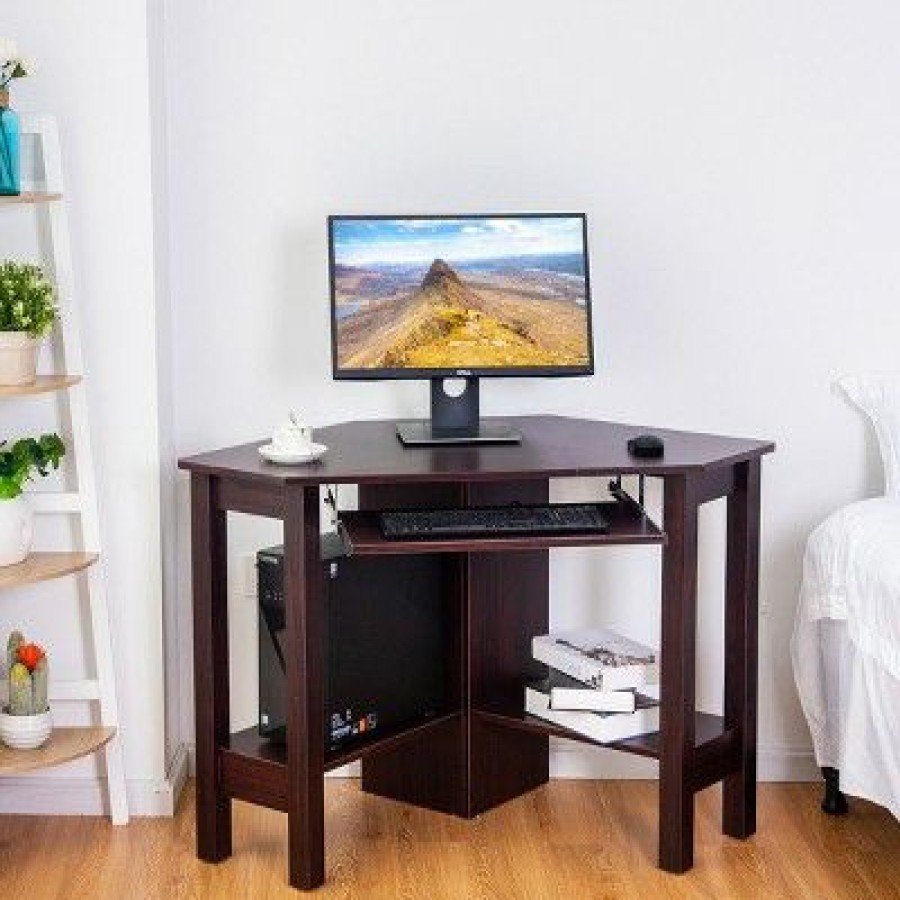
835, 803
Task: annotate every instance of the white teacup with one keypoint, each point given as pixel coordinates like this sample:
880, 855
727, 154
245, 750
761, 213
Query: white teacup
292, 437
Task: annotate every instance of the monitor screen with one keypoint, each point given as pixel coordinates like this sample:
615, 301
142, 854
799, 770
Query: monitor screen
433, 296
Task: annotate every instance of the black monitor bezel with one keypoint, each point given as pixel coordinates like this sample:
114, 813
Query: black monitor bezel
407, 374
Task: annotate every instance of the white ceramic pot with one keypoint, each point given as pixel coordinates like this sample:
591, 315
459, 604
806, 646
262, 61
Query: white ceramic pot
25, 732
18, 358
16, 530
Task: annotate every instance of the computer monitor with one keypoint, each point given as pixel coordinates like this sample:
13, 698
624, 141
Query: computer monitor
463, 296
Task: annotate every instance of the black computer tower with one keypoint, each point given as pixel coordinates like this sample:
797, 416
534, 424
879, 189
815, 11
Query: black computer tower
384, 645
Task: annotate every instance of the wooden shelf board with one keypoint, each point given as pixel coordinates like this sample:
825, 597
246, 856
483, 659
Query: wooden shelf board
43, 567
43, 385
30, 197
707, 728
627, 526
255, 769
65, 744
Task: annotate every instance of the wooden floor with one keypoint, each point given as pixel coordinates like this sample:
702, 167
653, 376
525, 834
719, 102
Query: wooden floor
570, 840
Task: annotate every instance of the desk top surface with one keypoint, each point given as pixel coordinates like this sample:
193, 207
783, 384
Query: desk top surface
552, 446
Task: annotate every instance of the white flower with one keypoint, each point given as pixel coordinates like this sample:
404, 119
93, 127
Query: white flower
9, 50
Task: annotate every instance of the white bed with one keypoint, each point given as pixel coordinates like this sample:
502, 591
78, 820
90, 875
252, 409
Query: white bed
846, 643
846, 648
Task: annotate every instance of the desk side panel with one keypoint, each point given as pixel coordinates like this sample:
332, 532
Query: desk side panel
507, 596
430, 771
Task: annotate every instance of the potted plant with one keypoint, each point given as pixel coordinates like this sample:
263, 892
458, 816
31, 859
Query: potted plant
27, 313
12, 65
18, 465
25, 722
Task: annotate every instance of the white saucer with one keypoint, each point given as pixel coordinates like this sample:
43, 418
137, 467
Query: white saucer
314, 452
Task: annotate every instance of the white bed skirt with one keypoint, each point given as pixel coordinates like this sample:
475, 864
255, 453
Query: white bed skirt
852, 705
846, 647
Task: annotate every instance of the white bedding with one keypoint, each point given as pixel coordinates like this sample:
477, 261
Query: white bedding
846, 647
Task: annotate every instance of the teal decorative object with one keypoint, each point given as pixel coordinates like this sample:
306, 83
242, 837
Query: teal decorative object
12, 65
10, 165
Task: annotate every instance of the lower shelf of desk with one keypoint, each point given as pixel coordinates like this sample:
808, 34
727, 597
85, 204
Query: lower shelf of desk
707, 728
255, 769
715, 747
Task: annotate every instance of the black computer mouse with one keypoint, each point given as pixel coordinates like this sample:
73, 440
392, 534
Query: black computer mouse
646, 446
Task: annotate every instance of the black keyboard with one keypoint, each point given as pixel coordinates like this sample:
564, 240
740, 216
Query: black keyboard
567, 518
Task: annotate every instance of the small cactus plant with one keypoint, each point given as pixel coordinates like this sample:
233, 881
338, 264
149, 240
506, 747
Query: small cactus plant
27, 671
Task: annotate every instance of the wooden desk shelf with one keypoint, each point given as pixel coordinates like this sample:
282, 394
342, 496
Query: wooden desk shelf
707, 727
627, 526
255, 769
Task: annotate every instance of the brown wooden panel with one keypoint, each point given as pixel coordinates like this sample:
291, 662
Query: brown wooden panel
209, 567
254, 769
677, 678
707, 732
741, 641
507, 606
411, 496
715, 759
505, 764
388, 740
427, 770
552, 447
252, 497
304, 653
715, 483
431, 770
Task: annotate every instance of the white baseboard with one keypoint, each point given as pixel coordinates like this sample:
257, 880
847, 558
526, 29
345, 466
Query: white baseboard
177, 776
53, 795
579, 761
787, 764
774, 764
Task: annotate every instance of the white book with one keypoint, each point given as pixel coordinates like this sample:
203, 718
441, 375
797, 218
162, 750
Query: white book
605, 728
567, 693
598, 657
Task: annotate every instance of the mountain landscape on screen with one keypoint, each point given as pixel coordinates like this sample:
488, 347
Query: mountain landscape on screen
460, 294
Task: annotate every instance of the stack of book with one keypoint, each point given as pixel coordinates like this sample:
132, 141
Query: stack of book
601, 684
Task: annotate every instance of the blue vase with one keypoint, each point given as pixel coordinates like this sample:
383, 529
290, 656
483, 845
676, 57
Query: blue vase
10, 169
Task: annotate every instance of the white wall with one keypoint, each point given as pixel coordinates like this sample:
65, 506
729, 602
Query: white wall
93, 74
739, 166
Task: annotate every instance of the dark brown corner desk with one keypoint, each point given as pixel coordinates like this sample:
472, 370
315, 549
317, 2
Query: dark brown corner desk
483, 749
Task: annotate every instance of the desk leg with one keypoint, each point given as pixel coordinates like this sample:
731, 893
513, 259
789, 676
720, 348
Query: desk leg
679, 619
304, 659
741, 639
209, 566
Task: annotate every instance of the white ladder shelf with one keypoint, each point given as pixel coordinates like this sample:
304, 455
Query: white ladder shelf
67, 744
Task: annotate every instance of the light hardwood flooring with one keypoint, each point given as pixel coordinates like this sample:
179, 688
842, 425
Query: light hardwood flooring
567, 841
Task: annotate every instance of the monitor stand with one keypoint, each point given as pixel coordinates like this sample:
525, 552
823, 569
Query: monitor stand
455, 420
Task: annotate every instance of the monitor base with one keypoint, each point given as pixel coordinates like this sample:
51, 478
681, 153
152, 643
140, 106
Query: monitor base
422, 433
